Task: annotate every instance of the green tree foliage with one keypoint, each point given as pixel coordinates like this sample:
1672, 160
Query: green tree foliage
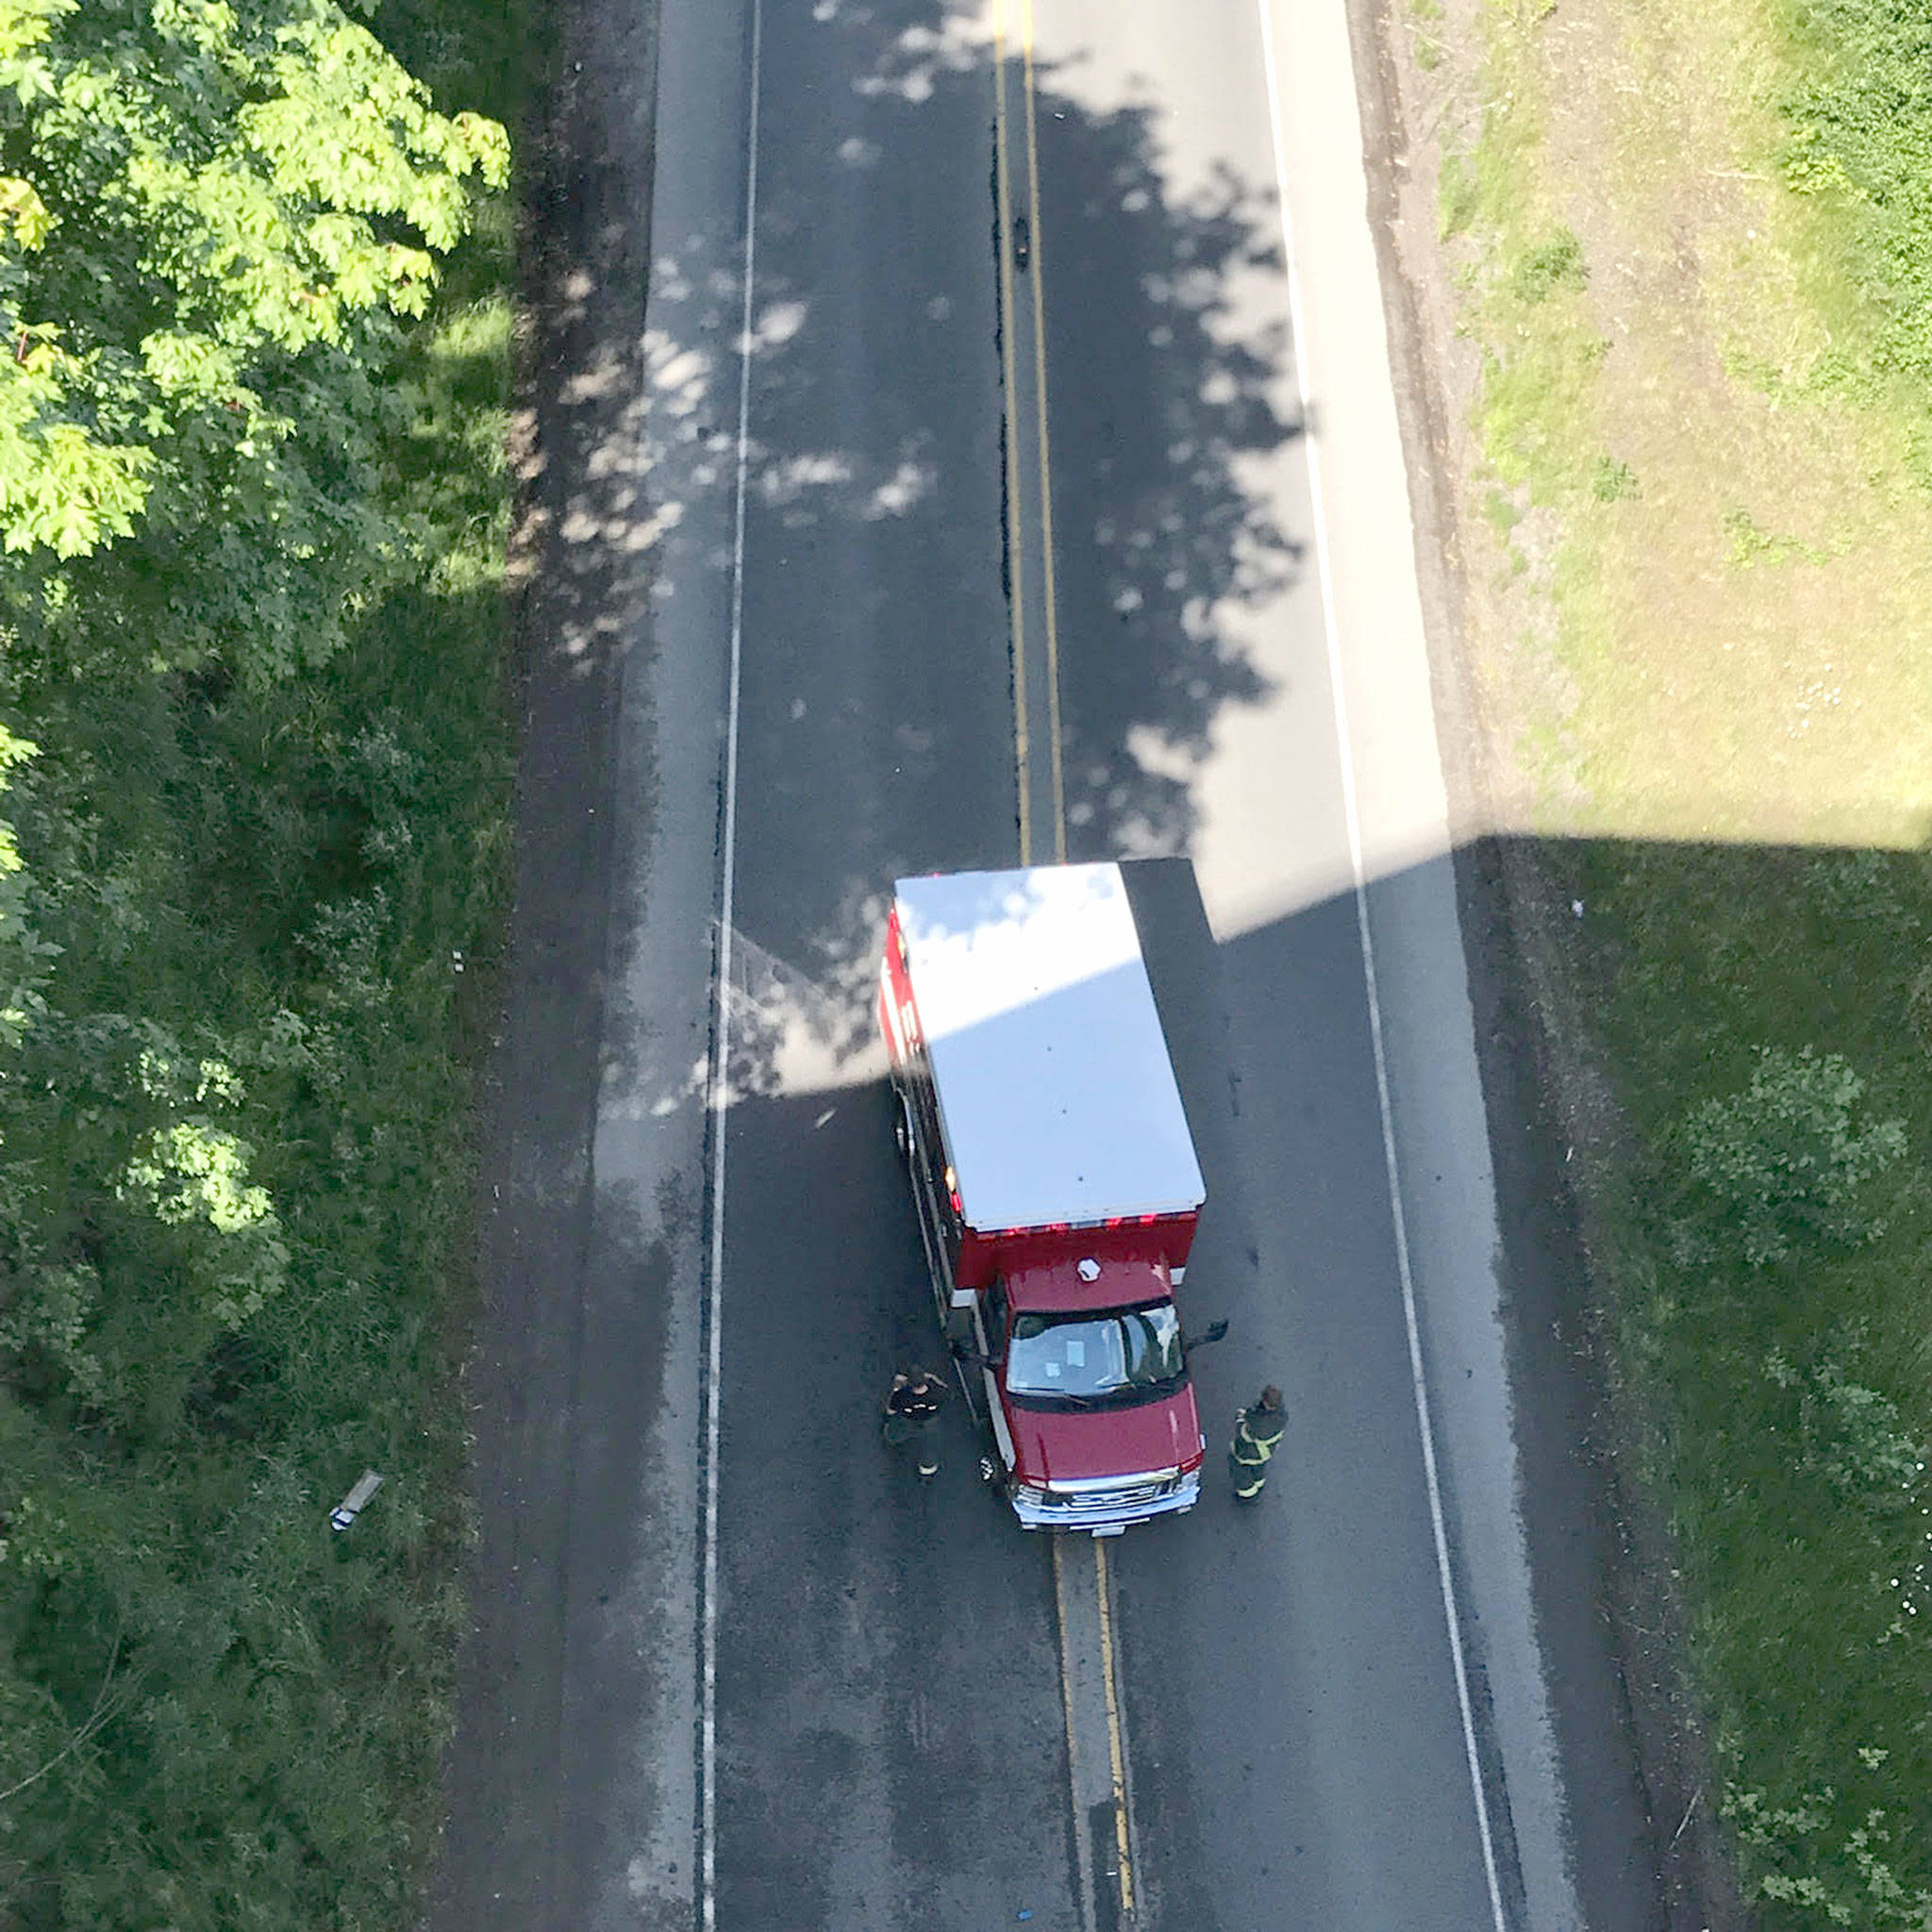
212, 219
1786, 1161
253, 775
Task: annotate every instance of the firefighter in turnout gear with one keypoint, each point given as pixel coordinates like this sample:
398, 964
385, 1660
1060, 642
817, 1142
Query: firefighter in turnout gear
1257, 1430
912, 1417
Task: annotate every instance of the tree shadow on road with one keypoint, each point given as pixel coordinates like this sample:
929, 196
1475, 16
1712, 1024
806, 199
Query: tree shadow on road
1170, 395
874, 524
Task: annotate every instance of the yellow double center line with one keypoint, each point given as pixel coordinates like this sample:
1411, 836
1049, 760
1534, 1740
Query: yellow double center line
1029, 495
1013, 20
1116, 1743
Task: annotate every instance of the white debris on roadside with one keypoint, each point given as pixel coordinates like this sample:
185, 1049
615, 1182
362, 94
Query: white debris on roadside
352, 1506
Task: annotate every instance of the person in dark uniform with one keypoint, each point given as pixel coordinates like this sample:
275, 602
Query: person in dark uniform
1257, 1430
912, 1417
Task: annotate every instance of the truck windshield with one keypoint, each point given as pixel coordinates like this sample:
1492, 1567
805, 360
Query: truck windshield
1120, 1355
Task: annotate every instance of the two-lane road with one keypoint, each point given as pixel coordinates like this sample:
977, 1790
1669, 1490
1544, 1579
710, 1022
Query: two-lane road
968, 545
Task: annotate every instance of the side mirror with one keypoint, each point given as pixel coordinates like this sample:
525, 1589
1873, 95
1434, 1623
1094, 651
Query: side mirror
1215, 1331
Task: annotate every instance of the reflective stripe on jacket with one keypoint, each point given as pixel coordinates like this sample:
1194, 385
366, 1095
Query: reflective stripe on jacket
1255, 1434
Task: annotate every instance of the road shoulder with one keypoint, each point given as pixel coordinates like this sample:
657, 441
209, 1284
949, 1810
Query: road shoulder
1550, 1703
1622, 1702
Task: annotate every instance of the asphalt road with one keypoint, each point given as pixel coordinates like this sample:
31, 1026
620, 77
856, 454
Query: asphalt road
728, 1667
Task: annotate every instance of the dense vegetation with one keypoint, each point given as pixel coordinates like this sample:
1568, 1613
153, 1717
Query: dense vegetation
251, 502
1857, 114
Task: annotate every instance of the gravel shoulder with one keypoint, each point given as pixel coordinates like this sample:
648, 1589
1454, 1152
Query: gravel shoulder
518, 1841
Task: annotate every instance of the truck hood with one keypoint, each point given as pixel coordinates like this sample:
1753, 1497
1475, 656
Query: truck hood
1072, 1445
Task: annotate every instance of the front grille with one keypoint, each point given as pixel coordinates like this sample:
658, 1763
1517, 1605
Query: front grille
1106, 1507
1112, 1496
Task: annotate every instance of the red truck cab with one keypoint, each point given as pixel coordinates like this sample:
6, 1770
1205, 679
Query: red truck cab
1055, 1182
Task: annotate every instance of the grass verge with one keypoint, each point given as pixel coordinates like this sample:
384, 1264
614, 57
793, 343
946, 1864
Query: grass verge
1692, 257
1760, 1235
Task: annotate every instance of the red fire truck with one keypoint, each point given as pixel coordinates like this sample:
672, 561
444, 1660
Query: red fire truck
1056, 1181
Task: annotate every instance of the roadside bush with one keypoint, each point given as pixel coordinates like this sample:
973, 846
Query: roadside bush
1556, 263
1784, 1163
1854, 1440
1803, 1855
1852, 1436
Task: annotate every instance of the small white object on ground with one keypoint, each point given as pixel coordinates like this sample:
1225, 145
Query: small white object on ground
352, 1506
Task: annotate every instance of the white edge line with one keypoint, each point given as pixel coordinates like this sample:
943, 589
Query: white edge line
1353, 816
721, 1032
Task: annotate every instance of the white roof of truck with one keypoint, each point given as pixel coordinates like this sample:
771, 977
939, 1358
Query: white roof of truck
1055, 1088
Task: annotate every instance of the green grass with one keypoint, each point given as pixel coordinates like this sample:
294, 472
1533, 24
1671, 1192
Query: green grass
1694, 250
1788, 1403
1654, 305
1426, 18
